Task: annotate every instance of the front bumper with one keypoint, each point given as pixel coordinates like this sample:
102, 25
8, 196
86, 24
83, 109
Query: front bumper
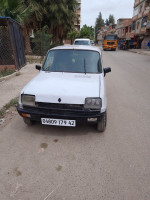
36, 113
109, 47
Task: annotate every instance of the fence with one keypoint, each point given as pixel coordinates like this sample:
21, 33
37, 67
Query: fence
6, 51
12, 54
39, 43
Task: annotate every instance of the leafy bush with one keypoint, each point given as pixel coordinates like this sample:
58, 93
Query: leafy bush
41, 42
6, 72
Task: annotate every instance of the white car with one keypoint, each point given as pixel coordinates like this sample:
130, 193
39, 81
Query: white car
69, 89
92, 42
82, 41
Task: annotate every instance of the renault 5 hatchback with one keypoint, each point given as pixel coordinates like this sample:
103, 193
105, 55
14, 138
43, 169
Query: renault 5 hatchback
68, 90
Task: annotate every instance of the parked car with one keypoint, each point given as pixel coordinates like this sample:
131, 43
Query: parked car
82, 41
92, 42
68, 90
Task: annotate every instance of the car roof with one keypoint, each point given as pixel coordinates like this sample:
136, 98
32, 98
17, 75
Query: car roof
82, 39
77, 47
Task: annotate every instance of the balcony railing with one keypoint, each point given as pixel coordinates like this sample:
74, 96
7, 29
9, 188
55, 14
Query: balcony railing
135, 18
143, 30
146, 12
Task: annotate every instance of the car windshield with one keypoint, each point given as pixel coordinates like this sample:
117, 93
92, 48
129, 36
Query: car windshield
111, 37
82, 42
75, 61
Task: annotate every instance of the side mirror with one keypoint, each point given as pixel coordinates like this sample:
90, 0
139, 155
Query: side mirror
107, 70
38, 67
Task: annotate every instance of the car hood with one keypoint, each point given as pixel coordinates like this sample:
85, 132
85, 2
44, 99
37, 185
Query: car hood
69, 87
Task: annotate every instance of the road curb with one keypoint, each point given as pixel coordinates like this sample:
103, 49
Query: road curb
147, 54
5, 78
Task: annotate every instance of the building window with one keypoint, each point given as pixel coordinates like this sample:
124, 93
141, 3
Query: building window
133, 26
144, 21
140, 10
135, 12
77, 6
138, 25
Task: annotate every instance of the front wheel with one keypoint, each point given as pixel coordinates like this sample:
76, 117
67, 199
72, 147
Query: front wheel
101, 124
28, 121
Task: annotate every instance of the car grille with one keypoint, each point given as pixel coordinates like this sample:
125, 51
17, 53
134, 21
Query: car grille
110, 43
73, 110
60, 106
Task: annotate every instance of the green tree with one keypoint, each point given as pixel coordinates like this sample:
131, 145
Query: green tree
107, 22
111, 19
72, 35
41, 42
98, 25
30, 16
8, 8
87, 32
60, 17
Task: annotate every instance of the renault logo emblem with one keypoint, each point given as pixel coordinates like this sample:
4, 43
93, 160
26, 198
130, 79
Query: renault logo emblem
59, 100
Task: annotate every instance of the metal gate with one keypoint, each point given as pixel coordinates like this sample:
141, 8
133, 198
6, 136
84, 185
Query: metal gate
11, 44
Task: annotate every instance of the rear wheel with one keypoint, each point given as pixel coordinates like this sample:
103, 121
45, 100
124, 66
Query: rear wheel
28, 121
101, 124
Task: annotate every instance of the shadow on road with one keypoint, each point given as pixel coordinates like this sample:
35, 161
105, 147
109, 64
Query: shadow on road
80, 129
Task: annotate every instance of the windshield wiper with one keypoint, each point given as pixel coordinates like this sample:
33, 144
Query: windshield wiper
84, 66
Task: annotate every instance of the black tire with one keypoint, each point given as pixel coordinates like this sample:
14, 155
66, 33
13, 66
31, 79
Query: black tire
28, 121
101, 124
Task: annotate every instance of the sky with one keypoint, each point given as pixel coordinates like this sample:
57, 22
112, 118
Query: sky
119, 8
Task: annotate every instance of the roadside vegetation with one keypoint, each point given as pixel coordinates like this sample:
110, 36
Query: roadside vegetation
34, 15
6, 72
49, 22
13, 103
85, 32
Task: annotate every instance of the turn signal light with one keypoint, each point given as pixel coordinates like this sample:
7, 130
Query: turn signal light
25, 115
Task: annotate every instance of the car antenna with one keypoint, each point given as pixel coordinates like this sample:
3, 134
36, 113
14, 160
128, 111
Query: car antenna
84, 66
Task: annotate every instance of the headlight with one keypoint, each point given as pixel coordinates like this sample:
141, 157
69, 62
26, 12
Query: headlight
93, 103
28, 100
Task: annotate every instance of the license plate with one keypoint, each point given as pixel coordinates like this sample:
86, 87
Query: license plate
58, 122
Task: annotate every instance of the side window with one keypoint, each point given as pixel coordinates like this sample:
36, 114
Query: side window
138, 25
144, 21
140, 9
49, 60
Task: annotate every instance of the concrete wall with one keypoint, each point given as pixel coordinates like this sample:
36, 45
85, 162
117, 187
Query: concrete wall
144, 42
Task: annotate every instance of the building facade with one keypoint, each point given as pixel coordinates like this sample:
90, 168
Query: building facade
101, 34
141, 22
124, 28
77, 23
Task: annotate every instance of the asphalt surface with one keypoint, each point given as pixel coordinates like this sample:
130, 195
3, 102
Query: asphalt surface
60, 163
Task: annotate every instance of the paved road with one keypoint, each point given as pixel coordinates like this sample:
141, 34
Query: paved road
54, 163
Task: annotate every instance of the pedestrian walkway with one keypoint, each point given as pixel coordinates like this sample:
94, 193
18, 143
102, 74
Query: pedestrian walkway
140, 51
10, 89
